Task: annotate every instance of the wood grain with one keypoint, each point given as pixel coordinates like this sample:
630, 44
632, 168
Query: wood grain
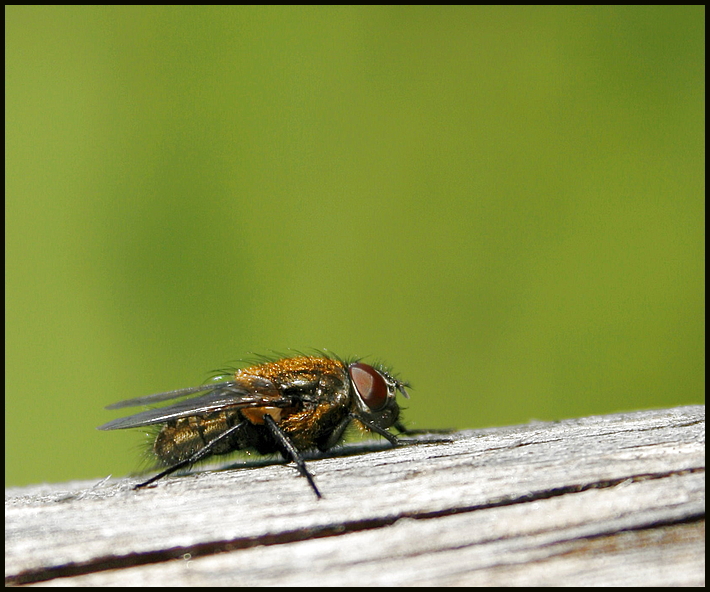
605, 500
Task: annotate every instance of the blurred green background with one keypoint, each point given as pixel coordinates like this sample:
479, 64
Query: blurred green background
505, 204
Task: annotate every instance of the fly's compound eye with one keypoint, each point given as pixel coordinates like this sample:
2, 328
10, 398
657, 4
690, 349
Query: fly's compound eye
370, 385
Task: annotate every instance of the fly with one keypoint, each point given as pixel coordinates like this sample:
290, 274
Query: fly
287, 406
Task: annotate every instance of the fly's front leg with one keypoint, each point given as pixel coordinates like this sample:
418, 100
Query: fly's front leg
391, 438
339, 430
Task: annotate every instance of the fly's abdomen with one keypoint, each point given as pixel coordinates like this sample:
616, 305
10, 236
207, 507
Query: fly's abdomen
180, 439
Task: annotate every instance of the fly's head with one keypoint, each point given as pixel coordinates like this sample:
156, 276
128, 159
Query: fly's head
374, 393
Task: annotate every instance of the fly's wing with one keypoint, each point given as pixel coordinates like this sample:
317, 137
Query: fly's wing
224, 395
150, 399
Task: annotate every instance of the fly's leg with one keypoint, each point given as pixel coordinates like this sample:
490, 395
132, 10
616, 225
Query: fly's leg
401, 427
339, 430
206, 450
391, 438
409, 432
336, 434
290, 451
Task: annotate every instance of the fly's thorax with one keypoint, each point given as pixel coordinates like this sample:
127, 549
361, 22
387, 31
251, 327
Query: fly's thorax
318, 404
300, 371
305, 387
334, 388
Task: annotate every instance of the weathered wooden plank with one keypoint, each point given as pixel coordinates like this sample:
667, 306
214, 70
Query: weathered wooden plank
613, 500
